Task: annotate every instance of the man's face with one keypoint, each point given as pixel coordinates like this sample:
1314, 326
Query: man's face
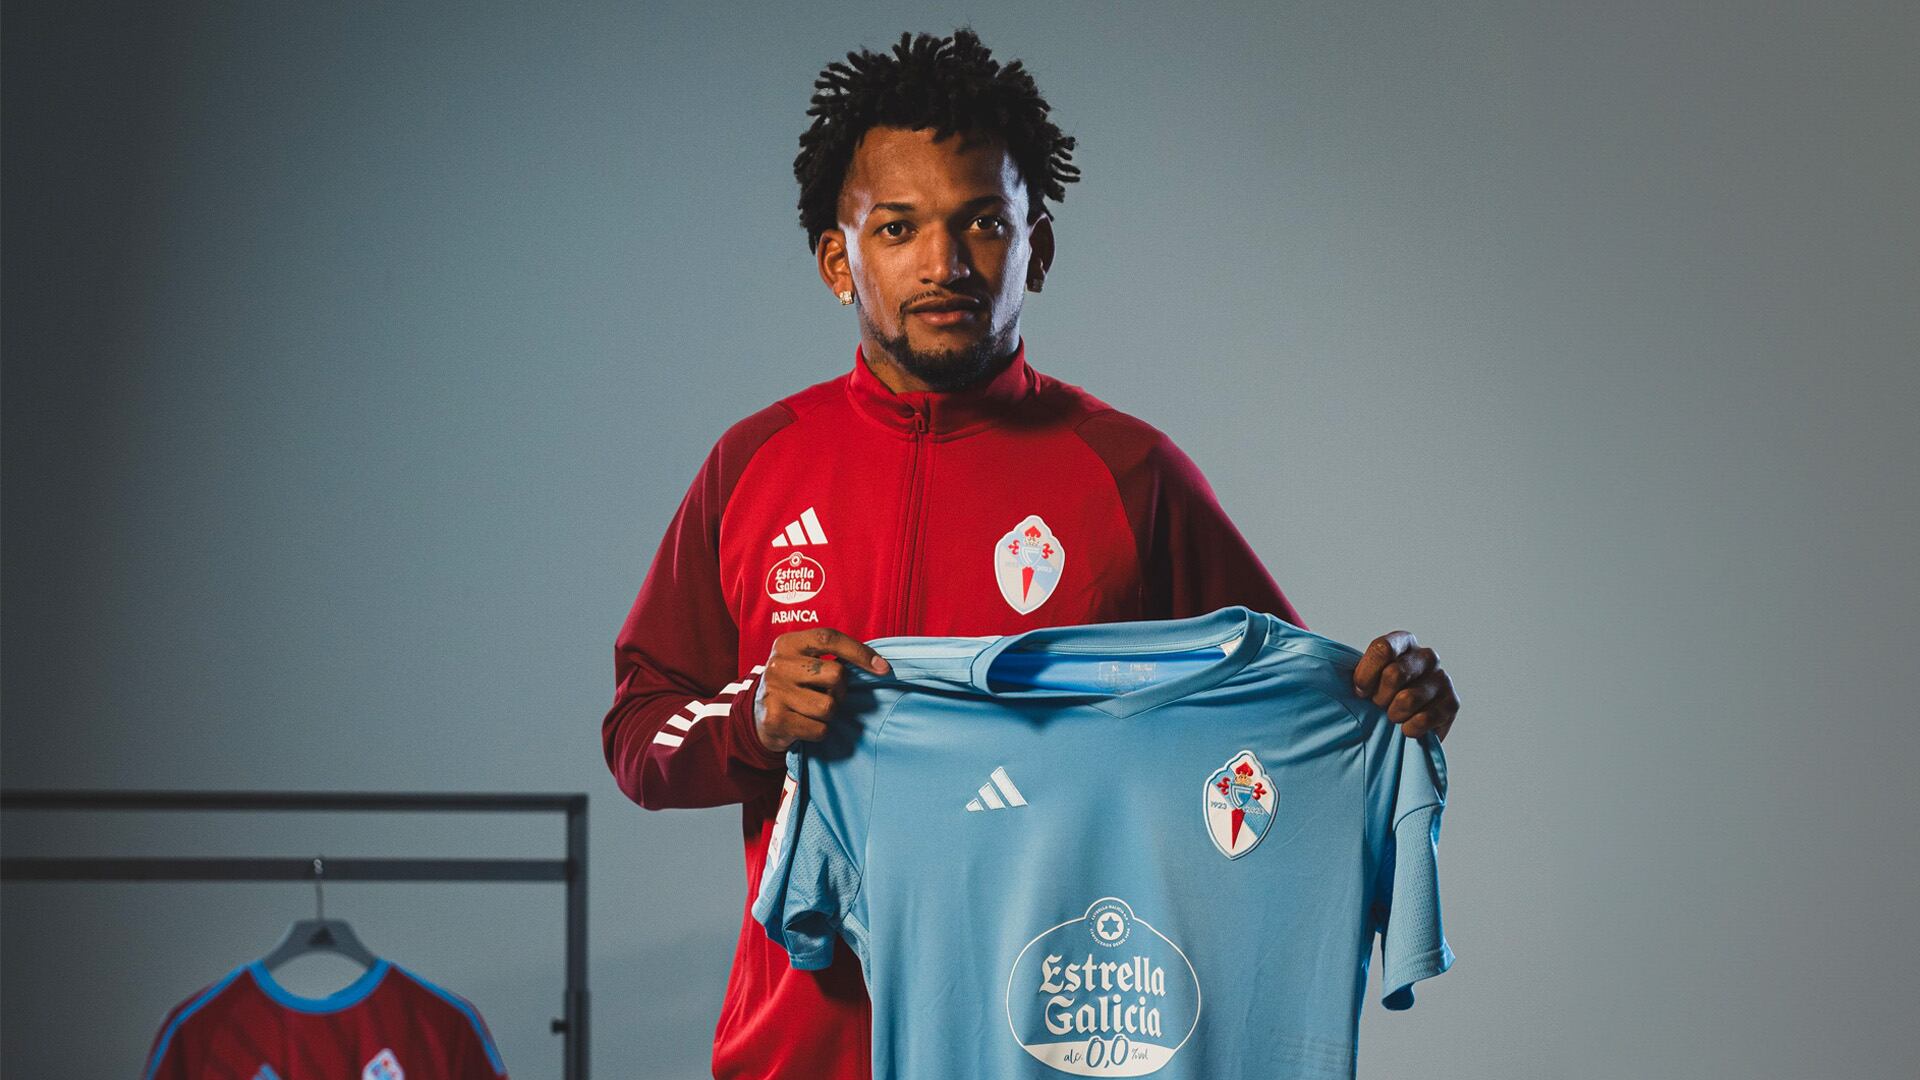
934, 242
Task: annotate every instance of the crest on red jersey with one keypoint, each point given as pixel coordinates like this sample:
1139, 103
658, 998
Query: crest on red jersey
383, 1066
1027, 563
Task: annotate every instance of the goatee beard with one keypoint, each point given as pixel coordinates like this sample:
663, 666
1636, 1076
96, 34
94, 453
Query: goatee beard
946, 369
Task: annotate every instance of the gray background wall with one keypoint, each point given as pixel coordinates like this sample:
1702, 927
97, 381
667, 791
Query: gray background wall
357, 355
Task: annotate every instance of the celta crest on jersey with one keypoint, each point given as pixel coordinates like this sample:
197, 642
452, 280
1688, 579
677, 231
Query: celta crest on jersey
1027, 562
1239, 801
796, 578
383, 1066
1105, 994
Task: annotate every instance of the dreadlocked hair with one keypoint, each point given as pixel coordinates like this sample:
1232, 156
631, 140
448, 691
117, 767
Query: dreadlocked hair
951, 85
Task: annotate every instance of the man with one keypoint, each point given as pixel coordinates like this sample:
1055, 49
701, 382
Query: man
941, 487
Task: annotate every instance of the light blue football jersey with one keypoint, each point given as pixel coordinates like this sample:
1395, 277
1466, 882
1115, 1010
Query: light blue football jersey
1160, 847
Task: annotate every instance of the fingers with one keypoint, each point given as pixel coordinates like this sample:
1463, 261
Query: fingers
1399, 675
819, 672
1378, 657
1437, 716
826, 641
794, 714
795, 727
803, 681
1390, 662
1411, 699
800, 702
823, 673
814, 658
778, 735
1427, 722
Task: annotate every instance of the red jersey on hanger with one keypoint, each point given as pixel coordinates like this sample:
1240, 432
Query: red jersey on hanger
1022, 503
390, 1024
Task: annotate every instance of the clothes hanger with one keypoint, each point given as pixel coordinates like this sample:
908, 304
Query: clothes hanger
319, 934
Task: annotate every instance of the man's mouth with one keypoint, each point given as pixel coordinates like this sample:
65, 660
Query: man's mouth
948, 312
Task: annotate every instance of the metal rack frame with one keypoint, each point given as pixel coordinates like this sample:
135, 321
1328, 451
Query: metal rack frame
572, 870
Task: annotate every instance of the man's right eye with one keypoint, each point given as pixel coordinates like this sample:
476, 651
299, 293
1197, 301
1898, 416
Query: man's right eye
901, 225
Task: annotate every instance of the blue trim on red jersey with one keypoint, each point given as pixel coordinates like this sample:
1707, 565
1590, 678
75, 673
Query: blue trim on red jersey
351, 994
472, 1015
160, 1050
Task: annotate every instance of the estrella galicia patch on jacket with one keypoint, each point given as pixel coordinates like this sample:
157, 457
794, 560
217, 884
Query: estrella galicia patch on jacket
1239, 801
795, 578
1103, 995
1027, 563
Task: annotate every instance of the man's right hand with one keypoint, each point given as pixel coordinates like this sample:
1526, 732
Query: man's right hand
803, 682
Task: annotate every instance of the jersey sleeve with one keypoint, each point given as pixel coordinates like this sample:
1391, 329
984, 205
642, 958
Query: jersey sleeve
480, 1055
175, 1054
681, 731
166, 1058
810, 888
1193, 559
1412, 944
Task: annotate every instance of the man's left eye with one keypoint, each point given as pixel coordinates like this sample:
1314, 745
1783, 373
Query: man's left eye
992, 222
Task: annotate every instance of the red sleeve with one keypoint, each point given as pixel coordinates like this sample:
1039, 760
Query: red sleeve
1192, 558
680, 732
169, 1062
478, 1052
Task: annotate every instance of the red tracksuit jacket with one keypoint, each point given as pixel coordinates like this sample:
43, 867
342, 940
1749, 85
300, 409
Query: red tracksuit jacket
1023, 503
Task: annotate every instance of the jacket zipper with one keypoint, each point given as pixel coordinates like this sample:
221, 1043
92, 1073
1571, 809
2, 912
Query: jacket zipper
915, 478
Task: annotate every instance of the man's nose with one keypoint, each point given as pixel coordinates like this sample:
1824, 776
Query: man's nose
944, 258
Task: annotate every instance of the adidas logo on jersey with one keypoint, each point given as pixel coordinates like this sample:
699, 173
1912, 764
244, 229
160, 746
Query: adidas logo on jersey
802, 530
998, 793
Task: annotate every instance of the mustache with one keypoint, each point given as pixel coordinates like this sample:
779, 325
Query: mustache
942, 301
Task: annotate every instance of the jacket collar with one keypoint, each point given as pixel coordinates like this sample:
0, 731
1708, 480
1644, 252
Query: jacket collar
944, 414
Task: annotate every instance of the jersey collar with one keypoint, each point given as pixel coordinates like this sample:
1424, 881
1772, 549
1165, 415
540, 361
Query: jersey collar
942, 413
351, 994
1243, 628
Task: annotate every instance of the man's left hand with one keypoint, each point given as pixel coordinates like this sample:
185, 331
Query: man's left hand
1398, 673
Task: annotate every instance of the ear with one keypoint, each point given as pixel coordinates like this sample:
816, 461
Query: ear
1040, 239
831, 253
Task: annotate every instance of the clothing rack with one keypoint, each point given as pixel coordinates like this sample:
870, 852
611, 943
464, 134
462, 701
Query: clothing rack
571, 1025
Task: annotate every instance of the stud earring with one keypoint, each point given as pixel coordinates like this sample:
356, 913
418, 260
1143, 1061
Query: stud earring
846, 296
